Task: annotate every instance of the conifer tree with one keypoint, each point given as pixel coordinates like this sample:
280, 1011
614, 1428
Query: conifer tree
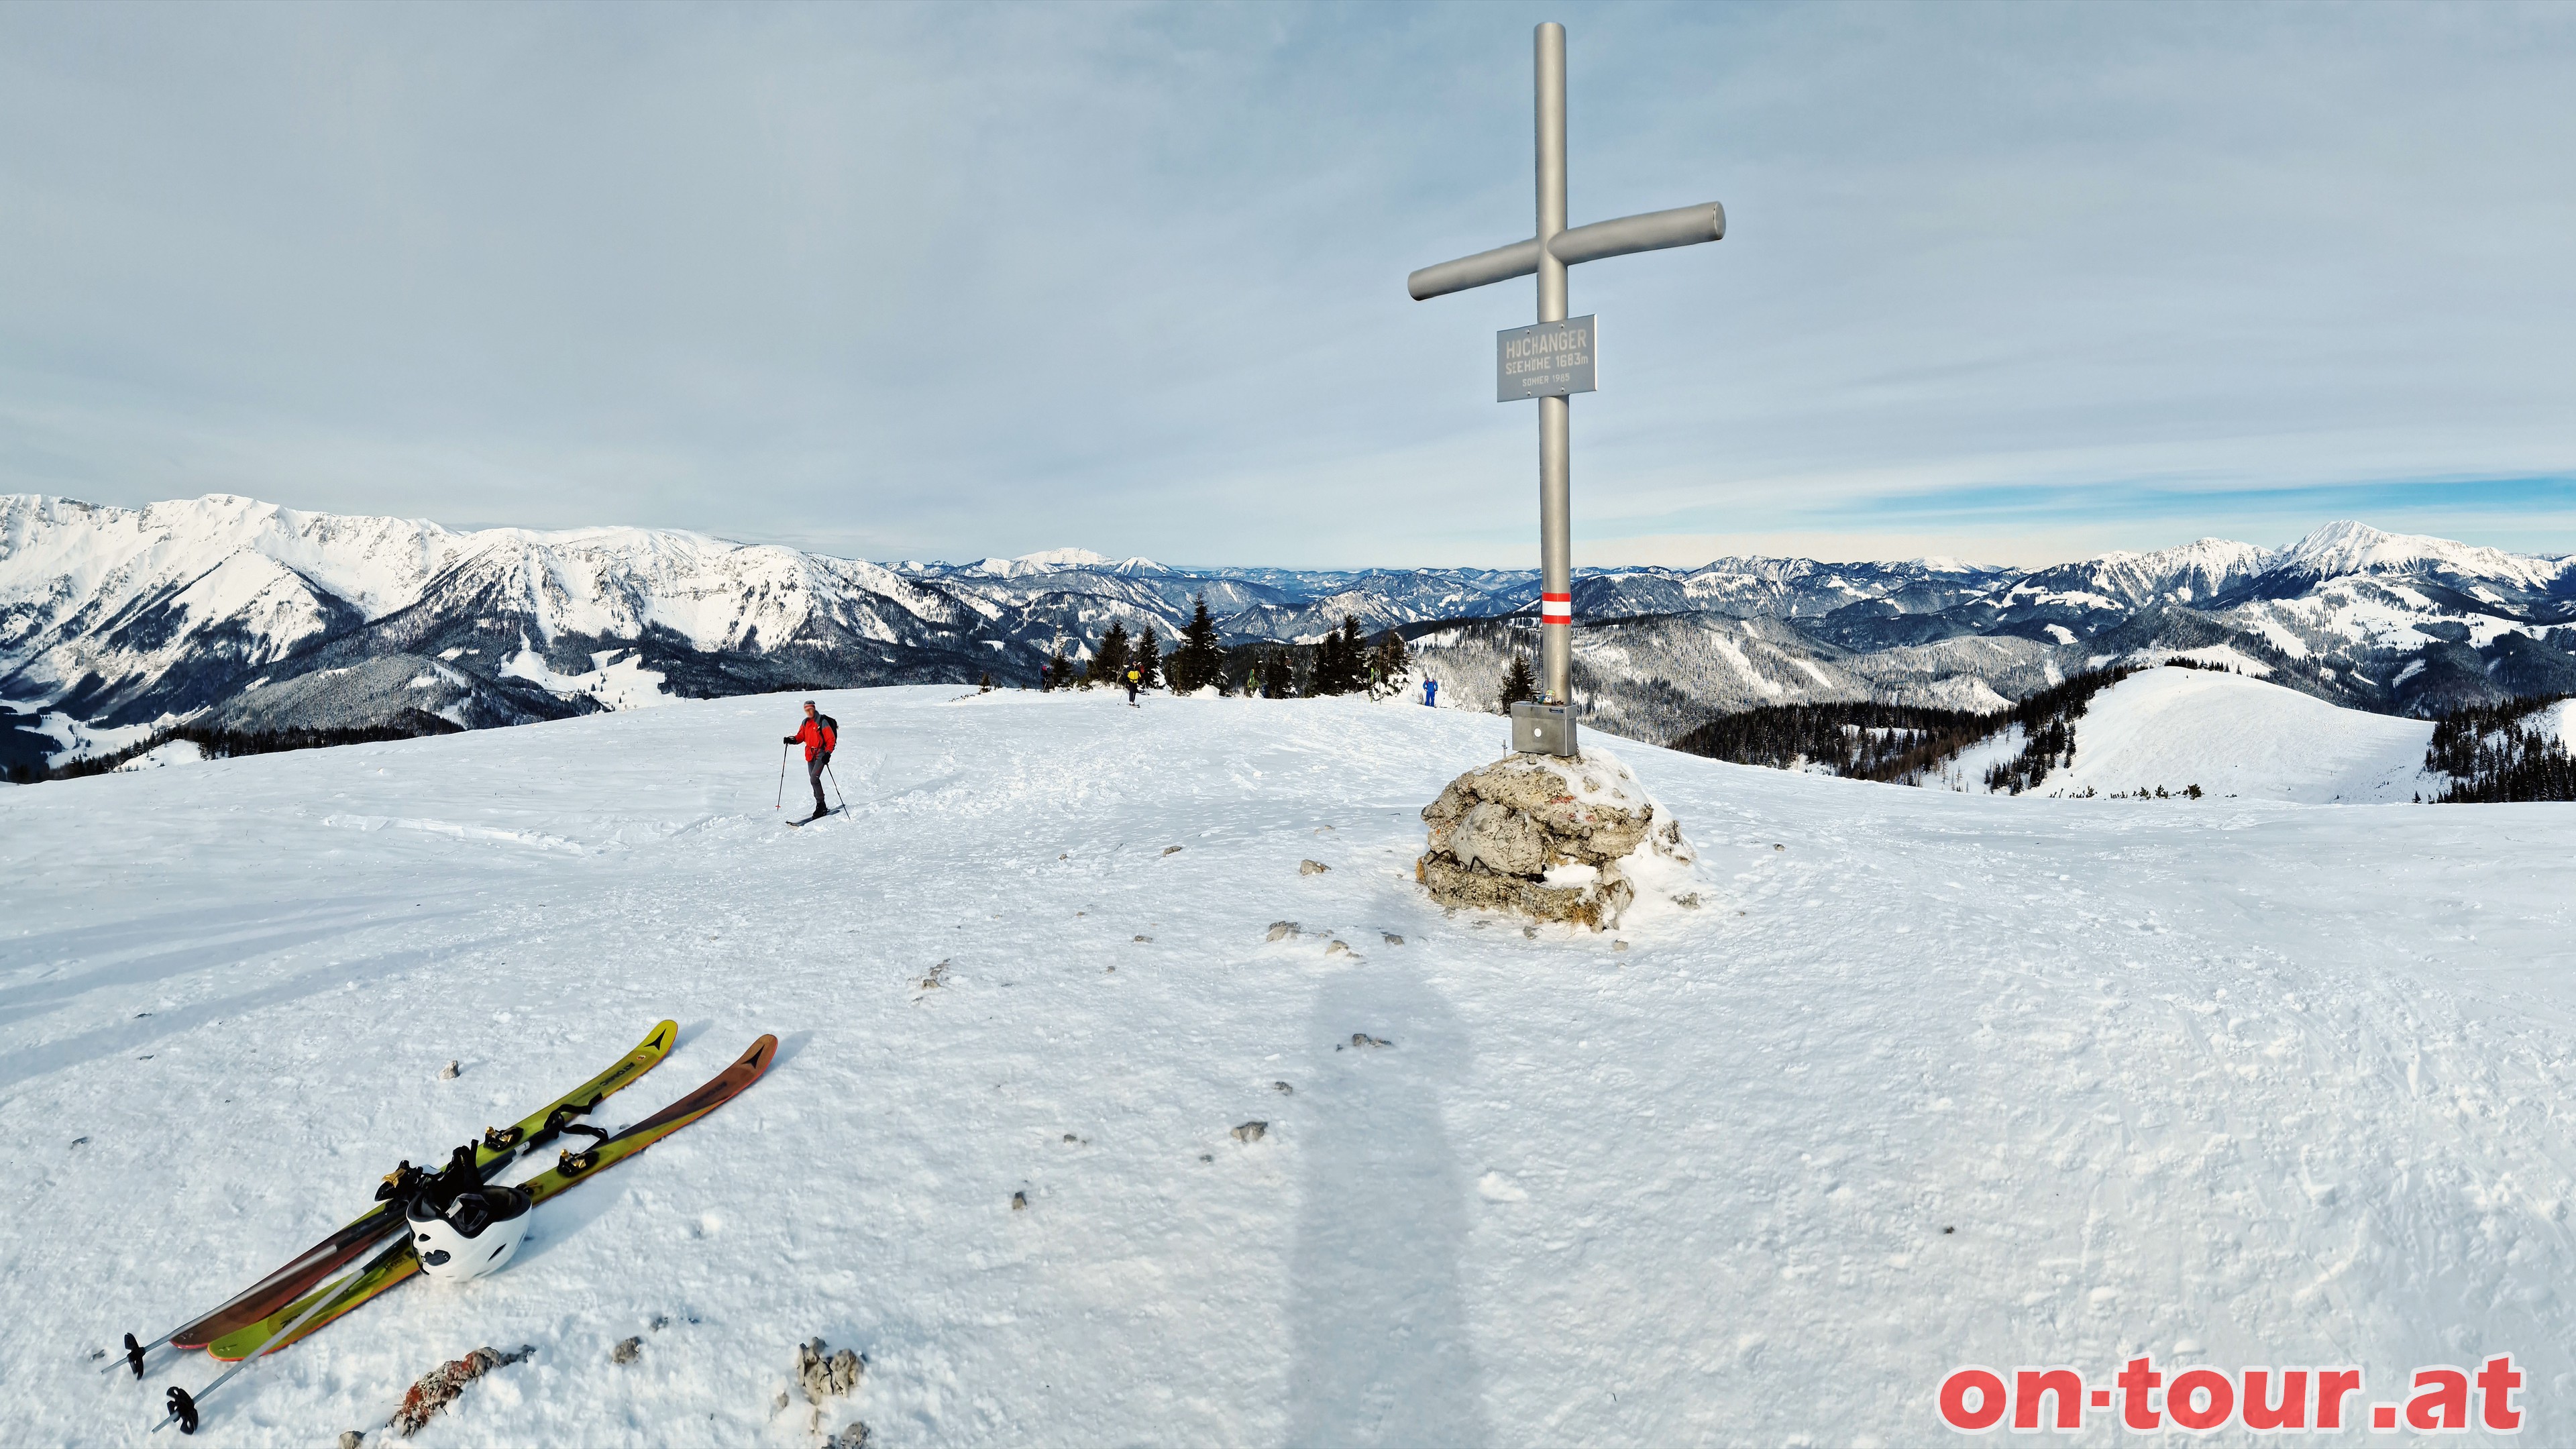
1392, 657
1110, 660
1330, 669
1059, 671
1341, 660
1517, 683
1278, 676
1147, 657
1199, 662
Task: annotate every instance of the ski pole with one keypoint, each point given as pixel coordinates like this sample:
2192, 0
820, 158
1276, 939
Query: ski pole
836, 787
782, 778
135, 1352
183, 1406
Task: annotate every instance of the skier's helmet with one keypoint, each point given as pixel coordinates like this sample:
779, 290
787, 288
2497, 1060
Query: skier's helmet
477, 1234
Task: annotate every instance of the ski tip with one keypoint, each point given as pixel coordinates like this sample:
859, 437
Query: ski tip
755, 1061
661, 1037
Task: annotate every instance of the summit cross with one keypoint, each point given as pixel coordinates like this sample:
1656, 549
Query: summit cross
1555, 359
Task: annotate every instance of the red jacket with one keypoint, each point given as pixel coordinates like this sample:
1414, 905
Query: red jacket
818, 740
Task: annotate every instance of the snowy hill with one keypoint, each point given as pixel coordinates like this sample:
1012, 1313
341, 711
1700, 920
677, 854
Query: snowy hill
2233, 736
1927, 1080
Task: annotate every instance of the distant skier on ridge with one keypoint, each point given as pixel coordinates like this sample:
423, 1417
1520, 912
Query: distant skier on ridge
819, 736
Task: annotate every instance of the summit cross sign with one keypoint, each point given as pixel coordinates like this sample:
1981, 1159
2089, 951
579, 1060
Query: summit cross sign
1556, 358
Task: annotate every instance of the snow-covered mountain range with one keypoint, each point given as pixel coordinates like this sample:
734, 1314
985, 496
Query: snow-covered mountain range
247, 615
2390, 623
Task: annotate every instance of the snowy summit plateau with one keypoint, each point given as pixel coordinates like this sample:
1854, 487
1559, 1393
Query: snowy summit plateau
1098, 1117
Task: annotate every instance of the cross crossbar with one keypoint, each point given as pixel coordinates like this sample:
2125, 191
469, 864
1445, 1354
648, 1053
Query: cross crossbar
1650, 231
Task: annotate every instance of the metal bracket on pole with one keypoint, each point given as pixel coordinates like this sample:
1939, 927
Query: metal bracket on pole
1547, 255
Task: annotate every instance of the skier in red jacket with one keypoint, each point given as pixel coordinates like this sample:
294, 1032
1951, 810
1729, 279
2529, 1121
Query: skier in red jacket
818, 737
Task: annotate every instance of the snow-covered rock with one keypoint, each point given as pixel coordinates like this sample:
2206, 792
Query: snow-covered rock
1554, 839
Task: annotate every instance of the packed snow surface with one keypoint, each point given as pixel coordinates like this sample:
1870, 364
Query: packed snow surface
2172, 728
1927, 1080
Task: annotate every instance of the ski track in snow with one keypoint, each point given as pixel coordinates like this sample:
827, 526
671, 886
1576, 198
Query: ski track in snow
2286, 1082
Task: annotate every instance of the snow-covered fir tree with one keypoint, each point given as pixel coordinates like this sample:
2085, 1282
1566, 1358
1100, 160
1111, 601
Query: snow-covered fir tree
1147, 657
1110, 660
1199, 661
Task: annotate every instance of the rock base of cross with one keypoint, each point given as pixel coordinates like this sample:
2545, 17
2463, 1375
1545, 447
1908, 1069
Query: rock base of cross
1551, 838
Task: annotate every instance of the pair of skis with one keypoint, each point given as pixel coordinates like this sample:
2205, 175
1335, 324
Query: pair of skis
497, 1150
287, 1305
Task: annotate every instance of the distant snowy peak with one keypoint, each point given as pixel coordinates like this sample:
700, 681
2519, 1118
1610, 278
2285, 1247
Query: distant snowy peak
1063, 558
2344, 548
1048, 561
2191, 573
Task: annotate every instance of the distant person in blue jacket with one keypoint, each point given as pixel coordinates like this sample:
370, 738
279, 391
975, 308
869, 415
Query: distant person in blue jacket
1431, 693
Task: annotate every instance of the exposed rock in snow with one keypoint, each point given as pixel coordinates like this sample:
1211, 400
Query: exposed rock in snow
824, 1374
439, 1388
1554, 839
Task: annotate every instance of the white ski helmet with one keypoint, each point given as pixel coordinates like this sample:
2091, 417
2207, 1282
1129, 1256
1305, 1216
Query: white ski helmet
479, 1231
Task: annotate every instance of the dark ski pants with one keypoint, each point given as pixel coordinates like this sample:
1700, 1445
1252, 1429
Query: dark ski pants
814, 777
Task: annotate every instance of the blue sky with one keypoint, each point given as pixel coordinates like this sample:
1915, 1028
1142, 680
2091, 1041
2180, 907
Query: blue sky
2014, 283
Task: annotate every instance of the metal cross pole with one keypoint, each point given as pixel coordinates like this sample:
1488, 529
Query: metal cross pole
1556, 359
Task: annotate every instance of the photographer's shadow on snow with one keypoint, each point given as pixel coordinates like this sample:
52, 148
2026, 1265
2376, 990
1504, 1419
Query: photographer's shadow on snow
1378, 1319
